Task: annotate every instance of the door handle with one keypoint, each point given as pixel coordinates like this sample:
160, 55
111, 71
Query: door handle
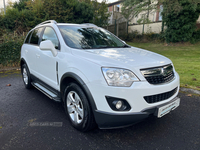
26, 51
37, 55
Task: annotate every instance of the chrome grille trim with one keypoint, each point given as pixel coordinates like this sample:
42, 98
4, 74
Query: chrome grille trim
159, 75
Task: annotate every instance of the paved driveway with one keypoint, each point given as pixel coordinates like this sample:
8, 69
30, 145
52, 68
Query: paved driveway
21, 108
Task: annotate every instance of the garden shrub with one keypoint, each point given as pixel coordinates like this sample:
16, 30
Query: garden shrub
26, 14
136, 36
10, 49
181, 25
195, 37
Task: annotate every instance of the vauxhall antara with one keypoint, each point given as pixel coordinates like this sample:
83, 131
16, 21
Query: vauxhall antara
99, 78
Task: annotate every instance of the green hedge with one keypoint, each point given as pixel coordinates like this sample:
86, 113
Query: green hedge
10, 50
180, 27
10, 53
136, 36
195, 37
152, 37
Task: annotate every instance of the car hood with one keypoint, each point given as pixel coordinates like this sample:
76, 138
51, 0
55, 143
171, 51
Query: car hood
130, 58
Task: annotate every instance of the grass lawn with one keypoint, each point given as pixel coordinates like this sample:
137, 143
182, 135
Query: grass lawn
186, 59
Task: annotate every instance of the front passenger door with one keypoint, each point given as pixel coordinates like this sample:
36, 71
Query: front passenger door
47, 62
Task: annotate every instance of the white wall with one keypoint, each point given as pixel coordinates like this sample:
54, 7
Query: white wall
152, 17
153, 27
198, 20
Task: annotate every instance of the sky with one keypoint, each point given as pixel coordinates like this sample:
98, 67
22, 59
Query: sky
1, 2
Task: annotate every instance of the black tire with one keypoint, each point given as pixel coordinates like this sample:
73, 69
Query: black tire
74, 106
26, 76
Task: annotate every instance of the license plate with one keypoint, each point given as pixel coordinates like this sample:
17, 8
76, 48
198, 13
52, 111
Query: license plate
163, 110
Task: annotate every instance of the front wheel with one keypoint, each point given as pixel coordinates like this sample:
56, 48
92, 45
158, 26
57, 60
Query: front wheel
26, 76
78, 109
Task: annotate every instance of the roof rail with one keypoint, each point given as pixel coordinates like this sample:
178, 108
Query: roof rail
48, 21
89, 24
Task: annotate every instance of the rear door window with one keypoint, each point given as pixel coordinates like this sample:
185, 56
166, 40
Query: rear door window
36, 36
28, 37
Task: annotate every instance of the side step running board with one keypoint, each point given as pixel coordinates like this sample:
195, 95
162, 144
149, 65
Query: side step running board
47, 92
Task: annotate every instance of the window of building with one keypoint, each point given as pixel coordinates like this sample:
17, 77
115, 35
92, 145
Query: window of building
160, 13
117, 8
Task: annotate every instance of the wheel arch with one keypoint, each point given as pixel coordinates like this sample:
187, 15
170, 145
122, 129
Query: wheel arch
22, 61
72, 77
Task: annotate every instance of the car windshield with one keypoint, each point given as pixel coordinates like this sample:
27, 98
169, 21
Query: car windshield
89, 37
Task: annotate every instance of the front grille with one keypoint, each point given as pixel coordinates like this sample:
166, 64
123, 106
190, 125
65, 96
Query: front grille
159, 75
160, 78
160, 97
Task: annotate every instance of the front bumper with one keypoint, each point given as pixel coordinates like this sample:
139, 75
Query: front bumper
134, 95
107, 120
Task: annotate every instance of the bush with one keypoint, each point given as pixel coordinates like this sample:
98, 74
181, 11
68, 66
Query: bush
23, 18
181, 25
10, 49
15, 20
8, 20
196, 37
136, 36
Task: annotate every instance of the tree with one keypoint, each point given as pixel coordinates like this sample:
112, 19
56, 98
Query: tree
21, 5
34, 12
132, 8
100, 11
180, 18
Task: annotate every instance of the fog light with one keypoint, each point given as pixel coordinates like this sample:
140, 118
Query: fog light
119, 104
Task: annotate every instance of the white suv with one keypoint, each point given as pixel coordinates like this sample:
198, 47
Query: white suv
98, 77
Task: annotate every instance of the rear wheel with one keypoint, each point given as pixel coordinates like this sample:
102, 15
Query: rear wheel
26, 76
78, 109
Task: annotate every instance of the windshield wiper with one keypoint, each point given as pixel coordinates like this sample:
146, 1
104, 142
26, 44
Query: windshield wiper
106, 46
124, 46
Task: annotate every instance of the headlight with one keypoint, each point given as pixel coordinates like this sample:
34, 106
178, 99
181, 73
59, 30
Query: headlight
119, 77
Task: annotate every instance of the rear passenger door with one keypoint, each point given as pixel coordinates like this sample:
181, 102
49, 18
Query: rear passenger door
31, 47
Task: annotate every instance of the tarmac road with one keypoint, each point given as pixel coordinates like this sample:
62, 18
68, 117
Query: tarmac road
21, 109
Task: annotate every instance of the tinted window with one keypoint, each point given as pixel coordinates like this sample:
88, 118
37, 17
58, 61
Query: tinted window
89, 38
35, 36
28, 37
49, 34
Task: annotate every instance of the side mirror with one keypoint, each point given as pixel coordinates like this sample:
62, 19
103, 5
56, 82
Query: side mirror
48, 45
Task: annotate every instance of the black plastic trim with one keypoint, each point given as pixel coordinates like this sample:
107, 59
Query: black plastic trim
22, 59
106, 120
110, 101
113, 120
37, 80
83, 86
160, 97
57, 72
